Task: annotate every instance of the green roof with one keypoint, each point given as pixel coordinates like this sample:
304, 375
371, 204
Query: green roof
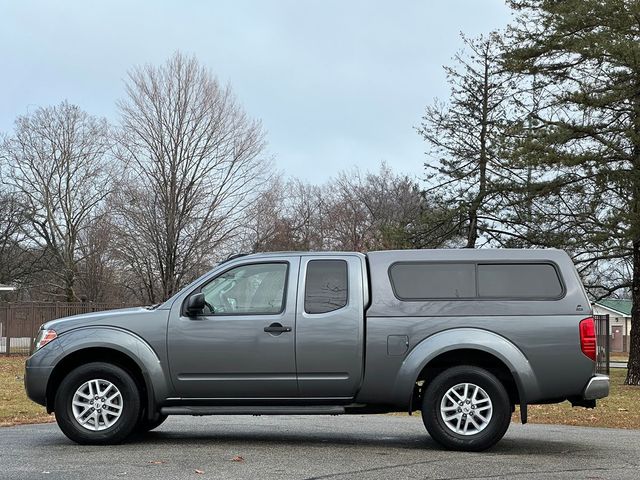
622, 306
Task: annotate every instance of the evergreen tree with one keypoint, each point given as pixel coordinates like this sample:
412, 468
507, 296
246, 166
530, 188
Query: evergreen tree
583, 139
466, 138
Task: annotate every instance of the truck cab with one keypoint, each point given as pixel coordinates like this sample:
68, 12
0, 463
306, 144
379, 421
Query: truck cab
274, 326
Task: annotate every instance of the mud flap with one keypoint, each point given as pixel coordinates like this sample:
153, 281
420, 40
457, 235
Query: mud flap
523, 413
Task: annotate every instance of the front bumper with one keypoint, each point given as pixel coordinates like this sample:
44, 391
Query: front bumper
598, 387
35, 383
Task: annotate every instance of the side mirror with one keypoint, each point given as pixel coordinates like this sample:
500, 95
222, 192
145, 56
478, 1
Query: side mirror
195, 304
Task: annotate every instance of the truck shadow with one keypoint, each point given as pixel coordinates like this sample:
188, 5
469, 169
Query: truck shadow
507, 446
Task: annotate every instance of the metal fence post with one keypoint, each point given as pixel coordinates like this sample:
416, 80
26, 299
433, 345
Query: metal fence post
603, 339
3, 325
8, 327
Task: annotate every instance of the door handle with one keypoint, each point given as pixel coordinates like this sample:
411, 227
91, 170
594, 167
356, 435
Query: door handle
277, 328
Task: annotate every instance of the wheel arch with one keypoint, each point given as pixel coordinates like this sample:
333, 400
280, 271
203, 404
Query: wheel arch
459, 357
465, 346
116, 347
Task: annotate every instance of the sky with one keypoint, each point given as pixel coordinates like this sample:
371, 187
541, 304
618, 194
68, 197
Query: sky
336, 83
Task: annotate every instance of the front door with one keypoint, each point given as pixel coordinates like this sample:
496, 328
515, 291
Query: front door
242, 345
616, 339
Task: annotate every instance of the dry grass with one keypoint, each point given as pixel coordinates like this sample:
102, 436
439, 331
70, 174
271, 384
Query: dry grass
15, 407
619, 357
618, 410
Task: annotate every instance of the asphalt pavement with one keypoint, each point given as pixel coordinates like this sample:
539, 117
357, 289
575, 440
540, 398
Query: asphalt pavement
299, 447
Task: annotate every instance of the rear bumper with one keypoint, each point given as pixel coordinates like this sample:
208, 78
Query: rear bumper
598, 387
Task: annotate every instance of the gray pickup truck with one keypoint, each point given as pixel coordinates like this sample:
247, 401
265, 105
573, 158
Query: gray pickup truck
460, 335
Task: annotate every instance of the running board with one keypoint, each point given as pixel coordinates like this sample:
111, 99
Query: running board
255, 410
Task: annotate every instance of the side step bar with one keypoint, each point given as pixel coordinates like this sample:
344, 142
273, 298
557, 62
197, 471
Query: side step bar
255, 410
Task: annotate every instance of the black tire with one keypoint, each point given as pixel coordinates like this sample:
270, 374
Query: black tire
496, 426
147, 425
123, 426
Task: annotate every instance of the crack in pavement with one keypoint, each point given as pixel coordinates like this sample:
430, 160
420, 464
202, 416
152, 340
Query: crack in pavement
532, 472
373, 469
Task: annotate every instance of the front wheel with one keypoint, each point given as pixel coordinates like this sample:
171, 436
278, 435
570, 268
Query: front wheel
466, 408
97, 403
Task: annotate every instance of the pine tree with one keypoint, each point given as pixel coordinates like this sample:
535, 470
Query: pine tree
584, 137
465, 136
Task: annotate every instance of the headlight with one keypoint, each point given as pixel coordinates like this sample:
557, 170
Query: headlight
44, 337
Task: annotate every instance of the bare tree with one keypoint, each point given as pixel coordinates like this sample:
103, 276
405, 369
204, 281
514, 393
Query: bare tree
98, 271
307, 208
55, 162
15, 261
355, 211
194, 163
267, 225
373, 210
288, 216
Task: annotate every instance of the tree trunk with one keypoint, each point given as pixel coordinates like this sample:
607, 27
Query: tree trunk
69, 284
472, 236
478, 202
633, 374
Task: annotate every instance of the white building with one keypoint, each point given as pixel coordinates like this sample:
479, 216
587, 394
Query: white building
619, 311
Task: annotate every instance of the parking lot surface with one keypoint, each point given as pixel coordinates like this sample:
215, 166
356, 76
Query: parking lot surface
298, 447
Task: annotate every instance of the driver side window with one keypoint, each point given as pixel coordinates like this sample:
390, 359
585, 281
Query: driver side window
257, 289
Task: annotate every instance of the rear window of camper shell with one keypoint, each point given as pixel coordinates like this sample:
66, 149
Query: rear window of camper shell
419, 281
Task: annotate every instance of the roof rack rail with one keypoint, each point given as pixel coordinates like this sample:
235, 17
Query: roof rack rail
233, 257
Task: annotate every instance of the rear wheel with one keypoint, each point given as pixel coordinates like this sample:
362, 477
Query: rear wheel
97, 403
466, 408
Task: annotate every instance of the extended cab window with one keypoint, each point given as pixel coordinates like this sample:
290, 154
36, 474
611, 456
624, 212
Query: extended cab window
257, 289
519, 280
419, 281
325, 286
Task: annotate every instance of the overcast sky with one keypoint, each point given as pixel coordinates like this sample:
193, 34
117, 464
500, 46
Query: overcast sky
335, 83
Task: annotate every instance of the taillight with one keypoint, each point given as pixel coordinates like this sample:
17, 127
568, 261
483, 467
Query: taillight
588, 338
44, 337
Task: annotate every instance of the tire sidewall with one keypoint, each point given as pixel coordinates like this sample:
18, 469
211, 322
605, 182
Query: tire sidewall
500, 419
130, 404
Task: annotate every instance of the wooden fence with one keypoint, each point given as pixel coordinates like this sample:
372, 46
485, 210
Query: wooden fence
19, 322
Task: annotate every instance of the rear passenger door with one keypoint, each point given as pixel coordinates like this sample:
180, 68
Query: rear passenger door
329, 326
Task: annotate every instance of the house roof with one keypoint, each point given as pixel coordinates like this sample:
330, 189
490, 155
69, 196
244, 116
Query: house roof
619, 305
6, 288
